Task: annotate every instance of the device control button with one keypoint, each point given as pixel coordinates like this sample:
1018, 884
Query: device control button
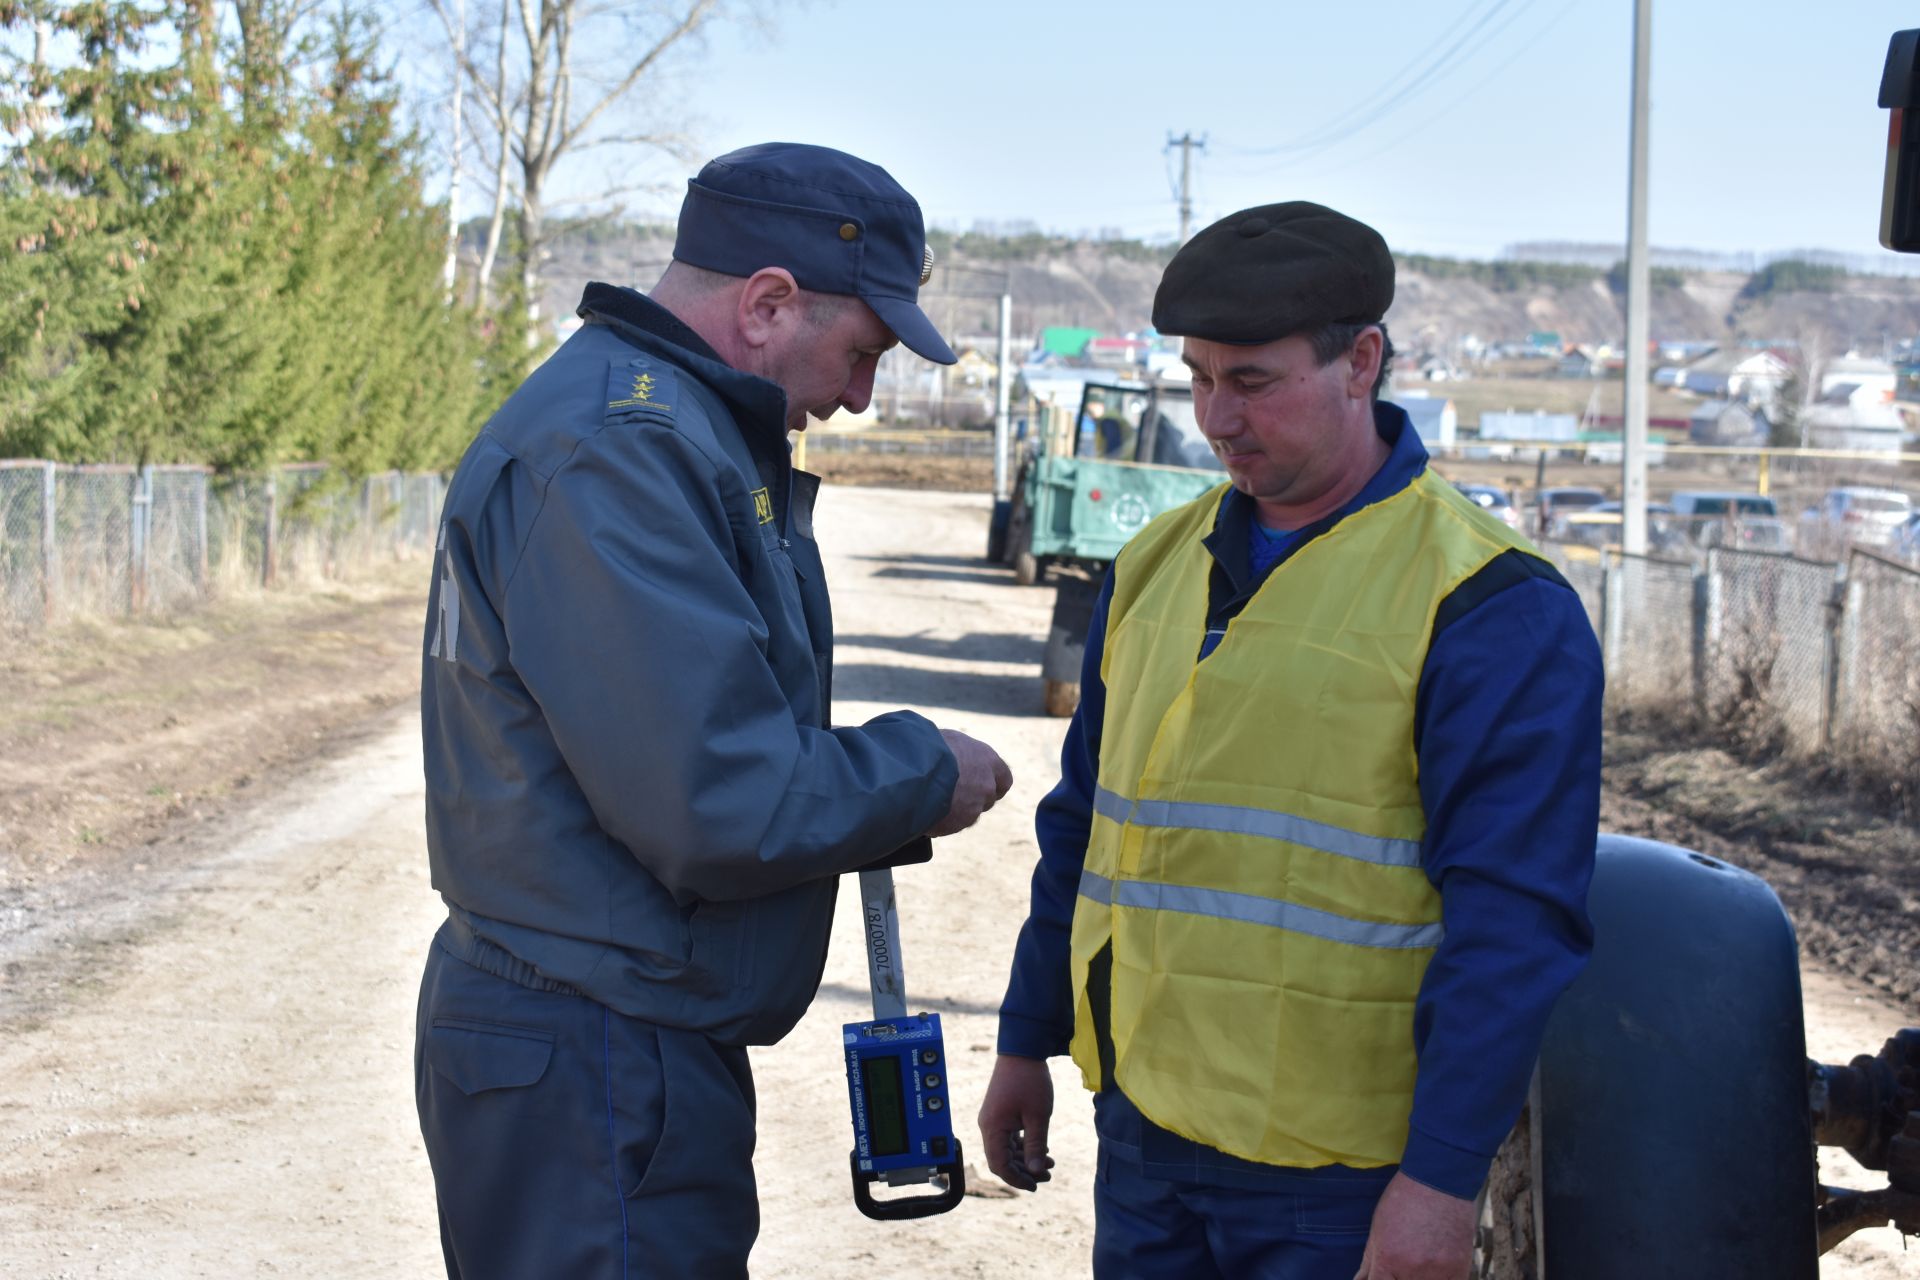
929, 1056
933, 1079
934, 1104
937, 1146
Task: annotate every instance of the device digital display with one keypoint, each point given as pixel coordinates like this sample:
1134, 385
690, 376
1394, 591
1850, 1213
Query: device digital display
886, 1107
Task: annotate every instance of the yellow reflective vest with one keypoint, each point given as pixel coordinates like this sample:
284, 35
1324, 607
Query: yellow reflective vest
1255, 855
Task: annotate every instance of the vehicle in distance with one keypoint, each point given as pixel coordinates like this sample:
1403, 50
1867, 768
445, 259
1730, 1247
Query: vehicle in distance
1088, 484
1599, 526
1854, 516
1495, 501
1906, 539
1742, 521
1557, 500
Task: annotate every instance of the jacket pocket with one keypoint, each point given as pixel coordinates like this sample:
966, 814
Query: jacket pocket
477, 1056
722, 941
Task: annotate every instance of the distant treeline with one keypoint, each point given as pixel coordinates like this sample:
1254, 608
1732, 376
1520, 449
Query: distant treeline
1034, 245
214, 249
1790, 275
1514, 276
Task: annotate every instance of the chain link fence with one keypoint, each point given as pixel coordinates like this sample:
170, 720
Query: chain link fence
1876, 702
111, 541
88, 564
1647, 609
962, 444
24, 503
1770, 656
1779, 654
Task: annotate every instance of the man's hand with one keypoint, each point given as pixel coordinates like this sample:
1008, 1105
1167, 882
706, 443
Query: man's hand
1417, 1234
1013, 1121
984, 778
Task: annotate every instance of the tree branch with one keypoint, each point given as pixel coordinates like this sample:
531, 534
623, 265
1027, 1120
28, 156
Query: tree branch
674, 144
526, 21
695, 17
467, 67
551, 142
641, 188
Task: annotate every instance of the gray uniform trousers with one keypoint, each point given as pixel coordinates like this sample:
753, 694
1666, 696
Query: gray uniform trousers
568, 1140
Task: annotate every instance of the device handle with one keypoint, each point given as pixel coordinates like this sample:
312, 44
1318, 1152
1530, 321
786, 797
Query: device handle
909, 1206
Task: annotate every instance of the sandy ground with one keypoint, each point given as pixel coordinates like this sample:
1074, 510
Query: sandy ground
206, 1066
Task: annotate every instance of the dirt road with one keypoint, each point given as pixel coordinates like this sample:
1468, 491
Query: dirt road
206, 1061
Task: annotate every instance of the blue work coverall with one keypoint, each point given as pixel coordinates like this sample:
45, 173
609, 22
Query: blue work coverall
637, 807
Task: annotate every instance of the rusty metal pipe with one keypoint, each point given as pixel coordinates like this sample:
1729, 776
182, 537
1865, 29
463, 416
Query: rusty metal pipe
1846, 1212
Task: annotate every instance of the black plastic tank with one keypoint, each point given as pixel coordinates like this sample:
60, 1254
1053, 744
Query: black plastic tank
1675, 1139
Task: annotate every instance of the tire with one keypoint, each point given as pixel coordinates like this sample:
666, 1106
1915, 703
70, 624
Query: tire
1061, 697
997, 532
1027, 570
1014, 524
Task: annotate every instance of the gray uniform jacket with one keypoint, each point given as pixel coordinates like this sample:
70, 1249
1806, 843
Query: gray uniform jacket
632, 783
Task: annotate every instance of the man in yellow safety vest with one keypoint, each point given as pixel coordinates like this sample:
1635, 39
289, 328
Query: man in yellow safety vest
1316, 868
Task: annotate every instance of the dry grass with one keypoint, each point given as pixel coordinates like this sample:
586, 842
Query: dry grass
114, 727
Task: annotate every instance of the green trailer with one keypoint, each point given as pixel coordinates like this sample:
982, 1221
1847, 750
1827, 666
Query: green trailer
1086, 484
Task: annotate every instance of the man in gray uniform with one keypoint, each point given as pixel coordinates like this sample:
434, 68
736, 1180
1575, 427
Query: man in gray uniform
637, 806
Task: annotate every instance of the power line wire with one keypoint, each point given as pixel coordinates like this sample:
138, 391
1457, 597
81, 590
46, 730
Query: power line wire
1432, 118
1436, 73
1376, 109
1362, 104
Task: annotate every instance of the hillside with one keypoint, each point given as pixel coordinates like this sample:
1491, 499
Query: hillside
1438, 301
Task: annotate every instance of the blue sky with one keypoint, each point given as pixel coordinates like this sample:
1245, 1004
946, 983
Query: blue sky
1454, 126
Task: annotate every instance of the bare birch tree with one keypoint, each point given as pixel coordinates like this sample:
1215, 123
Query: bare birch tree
555, 88
24, 93
450, 268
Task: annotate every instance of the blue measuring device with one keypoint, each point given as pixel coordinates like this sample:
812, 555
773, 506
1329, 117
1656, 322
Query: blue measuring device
897, 1082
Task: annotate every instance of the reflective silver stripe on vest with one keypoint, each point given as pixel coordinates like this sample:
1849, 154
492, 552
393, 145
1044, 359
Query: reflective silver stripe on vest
1112, 806
1243, 821
1249, 909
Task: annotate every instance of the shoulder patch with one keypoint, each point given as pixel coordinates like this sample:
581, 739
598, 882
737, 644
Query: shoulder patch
639, 389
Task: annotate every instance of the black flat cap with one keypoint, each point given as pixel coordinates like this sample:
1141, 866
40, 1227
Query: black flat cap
1266, 273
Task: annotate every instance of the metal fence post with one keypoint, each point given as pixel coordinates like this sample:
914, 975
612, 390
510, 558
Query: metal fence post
1702, 611
366, 538
1612, 623
140, 532
49, 558
1844, 678
1716, 623
200, 534
1830, 653
394, 515
268, 551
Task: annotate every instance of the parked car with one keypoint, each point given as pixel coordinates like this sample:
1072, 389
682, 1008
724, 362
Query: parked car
1557, 500
1494, 500
1744, 521
1599, 526
1906, 539
1854, 516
